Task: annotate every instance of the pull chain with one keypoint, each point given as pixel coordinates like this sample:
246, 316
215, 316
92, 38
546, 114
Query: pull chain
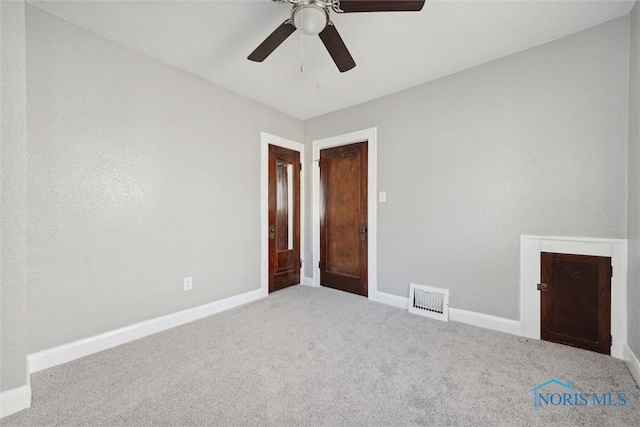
302, 45
317, 71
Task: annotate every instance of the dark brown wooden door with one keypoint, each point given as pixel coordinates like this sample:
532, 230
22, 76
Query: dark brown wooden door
576, 304
343, 218
284, 218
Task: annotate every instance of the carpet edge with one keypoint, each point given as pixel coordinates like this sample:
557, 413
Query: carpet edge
15, 400
486, 321
632, 362
64, 353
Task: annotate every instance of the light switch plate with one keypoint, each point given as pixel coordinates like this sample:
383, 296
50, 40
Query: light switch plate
382, 197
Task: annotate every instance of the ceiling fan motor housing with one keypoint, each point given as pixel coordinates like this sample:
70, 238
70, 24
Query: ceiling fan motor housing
310, 16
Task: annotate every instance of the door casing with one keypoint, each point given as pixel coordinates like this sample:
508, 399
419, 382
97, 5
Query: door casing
267, 139
369, 135
530, 248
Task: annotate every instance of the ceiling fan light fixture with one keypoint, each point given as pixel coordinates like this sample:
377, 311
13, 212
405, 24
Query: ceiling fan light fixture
311, 19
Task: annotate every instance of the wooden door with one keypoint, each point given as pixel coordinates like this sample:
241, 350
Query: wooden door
575, 297
343, 218
284, 218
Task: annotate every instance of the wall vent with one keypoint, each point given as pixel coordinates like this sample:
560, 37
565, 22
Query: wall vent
428, 301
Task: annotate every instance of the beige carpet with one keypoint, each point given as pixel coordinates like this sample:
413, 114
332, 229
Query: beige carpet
308, 356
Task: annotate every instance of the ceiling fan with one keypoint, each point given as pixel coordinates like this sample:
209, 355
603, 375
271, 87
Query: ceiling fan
312, 18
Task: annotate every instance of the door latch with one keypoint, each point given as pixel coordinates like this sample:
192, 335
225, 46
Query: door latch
363, 233
272, 232
542, 287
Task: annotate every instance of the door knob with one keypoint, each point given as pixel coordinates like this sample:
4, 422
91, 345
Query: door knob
363, 233
272, 232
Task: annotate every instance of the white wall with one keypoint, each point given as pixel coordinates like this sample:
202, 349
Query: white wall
13, 196
633, 284
139, 175
535, 143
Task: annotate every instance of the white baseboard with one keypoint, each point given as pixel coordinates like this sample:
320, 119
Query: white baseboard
632, 362
84, 347
487, 321
307, 281
392, 300
463, 316
618, 349
14, 400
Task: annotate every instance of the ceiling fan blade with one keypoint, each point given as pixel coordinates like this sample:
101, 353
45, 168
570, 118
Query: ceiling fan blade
336, 47
350, 6
274, 40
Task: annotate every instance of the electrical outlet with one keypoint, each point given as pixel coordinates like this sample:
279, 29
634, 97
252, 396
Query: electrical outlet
188, 283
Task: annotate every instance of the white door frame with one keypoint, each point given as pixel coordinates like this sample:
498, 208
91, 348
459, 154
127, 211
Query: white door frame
530, 249
369, 135
266, 140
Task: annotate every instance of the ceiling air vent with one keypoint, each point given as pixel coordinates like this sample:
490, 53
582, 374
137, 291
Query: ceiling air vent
428, 301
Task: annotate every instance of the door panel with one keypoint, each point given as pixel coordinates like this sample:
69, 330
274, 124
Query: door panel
576, 305
343, 218
284, 218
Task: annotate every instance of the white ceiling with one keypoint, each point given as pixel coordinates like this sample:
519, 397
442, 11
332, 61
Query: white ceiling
393, 51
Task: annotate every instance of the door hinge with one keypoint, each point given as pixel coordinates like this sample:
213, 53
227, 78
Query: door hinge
611, 340
300, 263
319, 264
542, 287
611, 271
300, 167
